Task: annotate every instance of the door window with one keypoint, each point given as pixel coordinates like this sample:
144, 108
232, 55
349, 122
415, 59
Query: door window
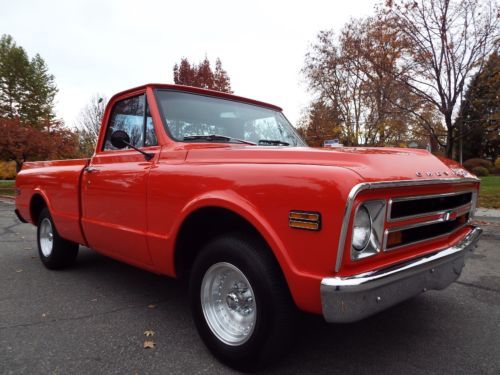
132, 116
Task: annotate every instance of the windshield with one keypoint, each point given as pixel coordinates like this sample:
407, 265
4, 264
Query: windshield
193, 117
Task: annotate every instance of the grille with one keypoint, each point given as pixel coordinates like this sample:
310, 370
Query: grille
416, 234
431, 216
404, 208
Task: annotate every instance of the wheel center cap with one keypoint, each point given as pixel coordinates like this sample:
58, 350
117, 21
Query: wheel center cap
232, 301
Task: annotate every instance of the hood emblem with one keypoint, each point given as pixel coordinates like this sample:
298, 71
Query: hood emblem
440, 173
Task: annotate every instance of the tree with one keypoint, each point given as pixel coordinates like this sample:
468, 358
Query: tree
479, 119
89, 123
447, 42
352, 76
20, 142
27, 89
201, 75
320, 123
14, 67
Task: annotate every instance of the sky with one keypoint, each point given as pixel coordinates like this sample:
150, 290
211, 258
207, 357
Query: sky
108, 46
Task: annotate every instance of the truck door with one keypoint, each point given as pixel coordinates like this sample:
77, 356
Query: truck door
114, 185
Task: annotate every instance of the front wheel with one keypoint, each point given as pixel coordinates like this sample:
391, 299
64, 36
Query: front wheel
55, 252
240, 303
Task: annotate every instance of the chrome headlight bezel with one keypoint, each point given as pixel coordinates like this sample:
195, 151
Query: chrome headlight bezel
377, 212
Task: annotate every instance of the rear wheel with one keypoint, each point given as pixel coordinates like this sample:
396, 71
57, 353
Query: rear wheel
55, 252
240, 303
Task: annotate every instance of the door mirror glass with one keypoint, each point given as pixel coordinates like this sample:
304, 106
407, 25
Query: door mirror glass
120, 139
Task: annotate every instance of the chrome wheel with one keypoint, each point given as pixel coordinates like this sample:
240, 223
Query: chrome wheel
46, 237
228, 303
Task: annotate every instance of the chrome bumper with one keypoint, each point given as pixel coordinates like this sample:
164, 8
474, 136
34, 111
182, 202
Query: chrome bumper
348, 299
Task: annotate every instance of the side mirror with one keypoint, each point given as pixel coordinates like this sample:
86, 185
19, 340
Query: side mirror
120, 139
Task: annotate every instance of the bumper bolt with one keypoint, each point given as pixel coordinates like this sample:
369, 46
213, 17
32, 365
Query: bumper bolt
433, 270
378, 299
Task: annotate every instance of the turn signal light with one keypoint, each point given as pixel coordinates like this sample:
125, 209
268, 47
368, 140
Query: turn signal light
394, 239
304, 220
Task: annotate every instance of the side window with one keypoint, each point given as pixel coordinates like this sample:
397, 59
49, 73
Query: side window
150, 130
131, 116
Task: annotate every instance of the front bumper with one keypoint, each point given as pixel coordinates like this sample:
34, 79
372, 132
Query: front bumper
348, 299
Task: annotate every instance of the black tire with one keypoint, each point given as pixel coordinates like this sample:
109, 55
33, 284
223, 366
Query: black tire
273, 330
63, 253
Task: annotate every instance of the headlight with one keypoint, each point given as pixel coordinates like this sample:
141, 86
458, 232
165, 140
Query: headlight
362, 229
368, 229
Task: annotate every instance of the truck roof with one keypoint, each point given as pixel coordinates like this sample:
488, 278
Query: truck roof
201, 91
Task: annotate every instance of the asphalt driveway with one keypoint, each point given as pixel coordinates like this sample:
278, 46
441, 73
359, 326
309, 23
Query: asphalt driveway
91, 319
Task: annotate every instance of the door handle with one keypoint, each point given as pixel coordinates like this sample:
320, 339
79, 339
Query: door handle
92, 170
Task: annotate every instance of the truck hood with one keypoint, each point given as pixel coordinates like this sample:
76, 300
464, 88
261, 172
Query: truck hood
372, 164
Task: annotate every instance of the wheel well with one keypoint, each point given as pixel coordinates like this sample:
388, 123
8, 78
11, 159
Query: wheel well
37, 204
203, 225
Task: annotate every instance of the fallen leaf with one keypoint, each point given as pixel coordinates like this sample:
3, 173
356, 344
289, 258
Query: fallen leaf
94, 300
149, 344
19, 271
151, 306
27, 248
44, 315
149, 333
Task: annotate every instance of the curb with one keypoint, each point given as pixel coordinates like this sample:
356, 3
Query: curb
486, 219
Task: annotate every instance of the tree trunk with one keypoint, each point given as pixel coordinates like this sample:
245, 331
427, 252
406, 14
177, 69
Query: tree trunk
19, 165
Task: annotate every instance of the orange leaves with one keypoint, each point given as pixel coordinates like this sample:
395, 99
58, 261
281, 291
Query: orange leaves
202, 75
22, 142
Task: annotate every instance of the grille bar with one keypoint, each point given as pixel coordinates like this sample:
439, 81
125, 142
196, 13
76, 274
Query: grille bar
426, 205
414, 234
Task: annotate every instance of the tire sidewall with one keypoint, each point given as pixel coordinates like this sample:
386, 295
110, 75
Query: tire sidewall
63, 252
45, 215
222, 250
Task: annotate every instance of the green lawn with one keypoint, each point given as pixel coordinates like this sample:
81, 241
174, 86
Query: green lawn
489, 194
7, 187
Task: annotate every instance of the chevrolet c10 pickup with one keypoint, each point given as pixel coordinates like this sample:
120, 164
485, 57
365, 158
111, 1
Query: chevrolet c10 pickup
221, 191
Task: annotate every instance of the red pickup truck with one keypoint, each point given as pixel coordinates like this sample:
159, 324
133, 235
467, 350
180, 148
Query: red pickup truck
222, 191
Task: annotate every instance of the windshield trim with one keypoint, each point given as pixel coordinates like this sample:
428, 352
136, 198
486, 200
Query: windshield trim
169, 133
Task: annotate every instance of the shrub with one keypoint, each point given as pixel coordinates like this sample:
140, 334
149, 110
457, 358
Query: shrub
477, 162
480, 171
495, 170
7, 170
497, 163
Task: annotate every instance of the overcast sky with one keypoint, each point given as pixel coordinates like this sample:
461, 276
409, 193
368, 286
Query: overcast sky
108, 46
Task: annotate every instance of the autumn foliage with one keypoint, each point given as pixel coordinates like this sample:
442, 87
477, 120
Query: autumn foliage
399, 75
202, 75
21, 142
28, 130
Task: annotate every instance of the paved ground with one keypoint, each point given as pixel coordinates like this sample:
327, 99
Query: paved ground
91, 320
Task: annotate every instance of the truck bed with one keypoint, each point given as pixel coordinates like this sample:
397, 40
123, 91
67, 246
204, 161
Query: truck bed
58, 182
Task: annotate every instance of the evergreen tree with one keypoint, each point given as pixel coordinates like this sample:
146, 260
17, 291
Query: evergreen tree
14, 68
479, 115
27, 89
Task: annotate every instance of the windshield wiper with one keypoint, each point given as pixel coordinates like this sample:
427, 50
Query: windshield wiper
215, 138
273, 142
